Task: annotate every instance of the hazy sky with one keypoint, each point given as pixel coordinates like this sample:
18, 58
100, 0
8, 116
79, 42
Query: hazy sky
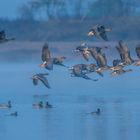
8, 8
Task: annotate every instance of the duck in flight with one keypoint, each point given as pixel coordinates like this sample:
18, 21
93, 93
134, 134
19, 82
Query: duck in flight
3, 37
120, 71
40, 77
84, 50
87, 51
99, 31
77, 71
46, 58
124, 53
48, 61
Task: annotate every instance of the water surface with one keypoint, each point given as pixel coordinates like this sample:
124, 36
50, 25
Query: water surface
72, 98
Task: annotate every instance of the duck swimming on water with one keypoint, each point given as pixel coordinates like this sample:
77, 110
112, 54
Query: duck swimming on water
14, 114
97, 112
8, 105
48, 105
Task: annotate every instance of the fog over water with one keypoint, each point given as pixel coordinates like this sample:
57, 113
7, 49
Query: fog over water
73, 99
64, 25
12, 6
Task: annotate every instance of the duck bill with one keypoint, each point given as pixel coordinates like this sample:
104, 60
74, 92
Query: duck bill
90, 33
42, 65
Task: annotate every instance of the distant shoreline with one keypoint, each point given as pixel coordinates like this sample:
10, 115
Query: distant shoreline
28, 50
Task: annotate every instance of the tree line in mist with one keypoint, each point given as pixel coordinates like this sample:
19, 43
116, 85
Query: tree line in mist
77, 9
70, 20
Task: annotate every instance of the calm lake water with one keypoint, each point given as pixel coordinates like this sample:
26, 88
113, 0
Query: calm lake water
72, 98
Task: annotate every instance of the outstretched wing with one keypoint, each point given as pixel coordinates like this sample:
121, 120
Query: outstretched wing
44, 80
102, 32
35, 81
104, 36
121, 53
49, 64
101, 60
45, 53
85, 56
93, 53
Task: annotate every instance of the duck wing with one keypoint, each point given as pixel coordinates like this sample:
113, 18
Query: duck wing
93, 53
104, 36
85, 56
45, 53
102, 32
49, 64
101, 60
88, 78
121, 53
35, 81
44, 80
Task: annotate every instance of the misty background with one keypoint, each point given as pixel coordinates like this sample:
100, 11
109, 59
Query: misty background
69, 20
64, 24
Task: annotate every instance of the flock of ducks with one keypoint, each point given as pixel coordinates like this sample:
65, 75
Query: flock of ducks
98, 55
82, 70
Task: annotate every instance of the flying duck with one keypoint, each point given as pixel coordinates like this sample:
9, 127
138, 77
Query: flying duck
124, 53
48, 61
99, 31
46, 58
42, 78
120, 71
77, 71
84, 50
3, 37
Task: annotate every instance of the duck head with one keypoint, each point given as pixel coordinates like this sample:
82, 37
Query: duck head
91, 32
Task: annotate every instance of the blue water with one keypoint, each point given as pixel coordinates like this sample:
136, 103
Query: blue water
72, 98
